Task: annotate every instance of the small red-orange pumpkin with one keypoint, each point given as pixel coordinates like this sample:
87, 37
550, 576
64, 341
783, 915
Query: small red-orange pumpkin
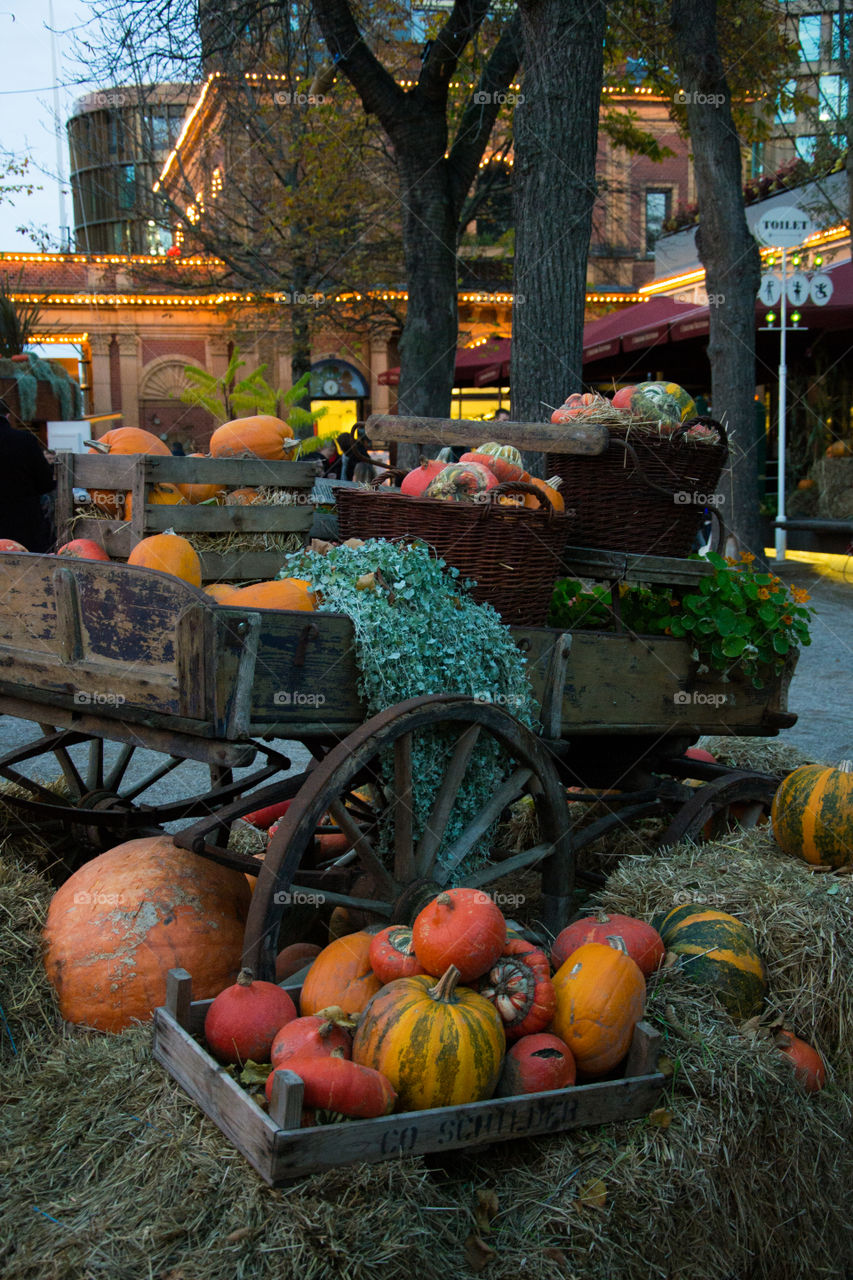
9, 544
315, 1036
414, 484
461, 927
534, 1064
519, 986
808, 1065
335, 1083
83, 549
392, 954
643, 943
242, 1021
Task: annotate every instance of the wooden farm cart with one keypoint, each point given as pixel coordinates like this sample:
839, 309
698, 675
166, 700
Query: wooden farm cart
102, 653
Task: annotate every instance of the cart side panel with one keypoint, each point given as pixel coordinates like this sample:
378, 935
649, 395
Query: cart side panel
627, 684
305, 672
97, 635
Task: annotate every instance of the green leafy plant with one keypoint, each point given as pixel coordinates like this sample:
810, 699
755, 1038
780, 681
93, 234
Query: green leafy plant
737, 617
18, 320
226, 398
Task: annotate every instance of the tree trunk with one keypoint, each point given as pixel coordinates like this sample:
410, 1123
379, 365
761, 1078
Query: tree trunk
555, 141
730, 257
428, 342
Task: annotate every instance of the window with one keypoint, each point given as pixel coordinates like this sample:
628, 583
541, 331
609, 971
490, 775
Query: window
658, 209
832, 94
805, 146
840, 37
756, 160
809, 37
127, 186
786, 115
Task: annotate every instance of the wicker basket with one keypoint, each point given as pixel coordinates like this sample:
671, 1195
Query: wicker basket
512, 553
645, 494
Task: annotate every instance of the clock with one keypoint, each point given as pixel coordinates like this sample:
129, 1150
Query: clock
330, 387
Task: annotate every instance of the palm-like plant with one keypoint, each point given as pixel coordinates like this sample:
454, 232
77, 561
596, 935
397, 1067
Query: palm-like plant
225, 398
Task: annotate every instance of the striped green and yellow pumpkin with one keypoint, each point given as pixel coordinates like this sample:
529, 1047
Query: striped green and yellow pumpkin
440, 1045
717, 951
812, 814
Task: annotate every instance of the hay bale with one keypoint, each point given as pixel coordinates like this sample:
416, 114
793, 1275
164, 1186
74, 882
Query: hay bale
30, 1013
834, 478
764, 755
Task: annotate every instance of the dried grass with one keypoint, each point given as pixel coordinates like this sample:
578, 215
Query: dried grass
834, 477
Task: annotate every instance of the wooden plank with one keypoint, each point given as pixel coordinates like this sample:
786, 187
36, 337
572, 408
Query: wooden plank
239, 713
578, 438
64, 496
644, 1052
179, 995
170, 734
554, 687
270, 518
194, 638
629, 566
451, 1128
113, 535
286, 1100
116, 471
69, 628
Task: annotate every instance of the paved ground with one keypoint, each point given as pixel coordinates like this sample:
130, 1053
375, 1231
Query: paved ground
822, 687
821, 694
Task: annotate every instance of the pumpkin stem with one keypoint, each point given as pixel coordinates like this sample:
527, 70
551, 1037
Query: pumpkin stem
444, 898
446, 985
601, 916
336, 1053
245, 978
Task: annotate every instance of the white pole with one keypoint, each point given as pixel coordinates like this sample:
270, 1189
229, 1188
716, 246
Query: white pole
60, 152
781, 534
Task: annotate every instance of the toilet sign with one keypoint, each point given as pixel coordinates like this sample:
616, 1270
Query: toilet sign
784, 227
771, 289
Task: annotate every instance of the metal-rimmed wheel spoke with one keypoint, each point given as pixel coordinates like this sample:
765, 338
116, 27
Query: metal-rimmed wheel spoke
436, 826
169, 766
392, 873
489, 814
95, 764
722, 805
496, 870
117, 771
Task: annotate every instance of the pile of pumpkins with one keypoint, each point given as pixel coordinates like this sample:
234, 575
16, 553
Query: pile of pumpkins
664, 403
262, 436
477, 474
460, 1008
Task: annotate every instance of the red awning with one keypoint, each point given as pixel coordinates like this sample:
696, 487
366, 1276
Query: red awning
480, 366
646, 324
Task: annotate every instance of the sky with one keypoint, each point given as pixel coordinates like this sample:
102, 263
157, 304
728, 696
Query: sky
27, 112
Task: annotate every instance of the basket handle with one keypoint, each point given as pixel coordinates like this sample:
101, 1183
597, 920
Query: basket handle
519, 486
677, 434
387, 473
704, 422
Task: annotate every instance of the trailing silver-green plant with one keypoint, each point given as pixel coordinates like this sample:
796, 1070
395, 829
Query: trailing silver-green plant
418, 632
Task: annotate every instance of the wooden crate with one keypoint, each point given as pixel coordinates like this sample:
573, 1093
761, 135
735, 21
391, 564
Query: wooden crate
136, 473
281, 1151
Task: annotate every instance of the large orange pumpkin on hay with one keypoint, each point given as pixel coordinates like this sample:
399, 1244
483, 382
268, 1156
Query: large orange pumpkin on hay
168, 553
121, 922
159, 495
341, 975
281, 593
262, 436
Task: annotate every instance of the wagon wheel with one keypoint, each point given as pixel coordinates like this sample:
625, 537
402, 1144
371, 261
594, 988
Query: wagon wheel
735, 800
104, 803
384, 811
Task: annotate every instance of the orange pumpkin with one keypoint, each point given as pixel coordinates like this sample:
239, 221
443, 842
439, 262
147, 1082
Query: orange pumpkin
243, 1020
120, 923
600, 994
195, 493
159, 495
241, 497
282, 593
294, 957
574, 406
218, 591
806, 483
129, 440
461, 927
550, 490
341, 975
83, 549
838, 449
263, 436
168, 553
809, 1069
